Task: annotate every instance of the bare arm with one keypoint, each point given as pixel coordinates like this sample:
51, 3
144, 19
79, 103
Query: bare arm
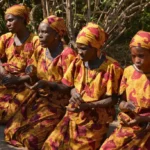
52, 85
106, 102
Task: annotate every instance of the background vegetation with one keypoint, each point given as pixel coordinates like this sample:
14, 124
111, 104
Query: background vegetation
121, 19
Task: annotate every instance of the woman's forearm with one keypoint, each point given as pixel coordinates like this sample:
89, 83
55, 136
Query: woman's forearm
25, 78
59, 87
104, 102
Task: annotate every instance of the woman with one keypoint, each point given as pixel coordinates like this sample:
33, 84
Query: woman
133, 133
16, 48
42, 112
95, 77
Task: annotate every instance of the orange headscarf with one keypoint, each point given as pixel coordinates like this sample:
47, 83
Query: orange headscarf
93, 35
19, 10
141, 39
57, 24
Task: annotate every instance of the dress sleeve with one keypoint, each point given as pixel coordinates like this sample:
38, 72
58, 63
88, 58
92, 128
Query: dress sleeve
114, 74
33, 61
68, 78
2, 45
123, 83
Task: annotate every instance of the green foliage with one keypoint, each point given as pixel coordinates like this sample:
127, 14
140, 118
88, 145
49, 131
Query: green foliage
3, 28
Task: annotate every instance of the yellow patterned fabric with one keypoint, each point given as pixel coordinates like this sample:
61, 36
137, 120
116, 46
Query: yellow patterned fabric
57, 24
86, 129
19, 10
141, 39
136, 86
38, 117
92, 35
11, 97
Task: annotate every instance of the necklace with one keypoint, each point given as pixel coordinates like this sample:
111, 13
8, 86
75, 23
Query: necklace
137, 68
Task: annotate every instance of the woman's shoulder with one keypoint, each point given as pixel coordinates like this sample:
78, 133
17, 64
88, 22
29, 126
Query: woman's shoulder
129, 68
33, 37
129, 71
67, 50
112, 62
7, 35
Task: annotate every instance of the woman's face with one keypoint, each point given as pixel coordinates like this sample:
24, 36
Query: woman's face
13, 23
140, 57
86, 52
46, 34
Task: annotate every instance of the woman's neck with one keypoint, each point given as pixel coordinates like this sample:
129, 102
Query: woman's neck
21, 37
145, 70
55, 48
22, 33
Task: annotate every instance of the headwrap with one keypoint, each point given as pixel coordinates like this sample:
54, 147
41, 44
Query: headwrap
93, 35
19, 10
141, 39
57, 24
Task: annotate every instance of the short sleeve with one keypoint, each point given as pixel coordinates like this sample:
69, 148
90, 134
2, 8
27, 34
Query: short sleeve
123, 83
33, 61
3, 39
68, 78
114, 73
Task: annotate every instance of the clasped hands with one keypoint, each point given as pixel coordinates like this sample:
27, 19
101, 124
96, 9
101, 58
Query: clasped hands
77, 103
130, 107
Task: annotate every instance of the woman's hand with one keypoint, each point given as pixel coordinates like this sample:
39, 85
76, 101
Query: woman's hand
10, 80
82, 107
126, 106
76, 98
38, 85
138, 119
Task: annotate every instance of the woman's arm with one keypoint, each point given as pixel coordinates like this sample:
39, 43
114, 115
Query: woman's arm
106, 102
124, 105
103, 103
52, 85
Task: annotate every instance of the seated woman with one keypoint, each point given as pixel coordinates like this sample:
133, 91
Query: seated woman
42, 112
133, 133
95, 78
16, 48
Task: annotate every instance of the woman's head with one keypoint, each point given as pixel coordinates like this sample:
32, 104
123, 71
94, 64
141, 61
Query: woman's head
50, 29
16, 17
89, 41
140, 50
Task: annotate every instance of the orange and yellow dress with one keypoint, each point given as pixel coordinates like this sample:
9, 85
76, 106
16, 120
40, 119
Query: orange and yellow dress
136, 85
16, 59
85, 130
37, 118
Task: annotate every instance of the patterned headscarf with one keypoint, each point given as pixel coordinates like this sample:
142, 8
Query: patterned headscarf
57, 24
141, 39
93, 35
19, 10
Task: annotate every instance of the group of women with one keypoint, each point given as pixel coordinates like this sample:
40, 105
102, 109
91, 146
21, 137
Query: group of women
54, 98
